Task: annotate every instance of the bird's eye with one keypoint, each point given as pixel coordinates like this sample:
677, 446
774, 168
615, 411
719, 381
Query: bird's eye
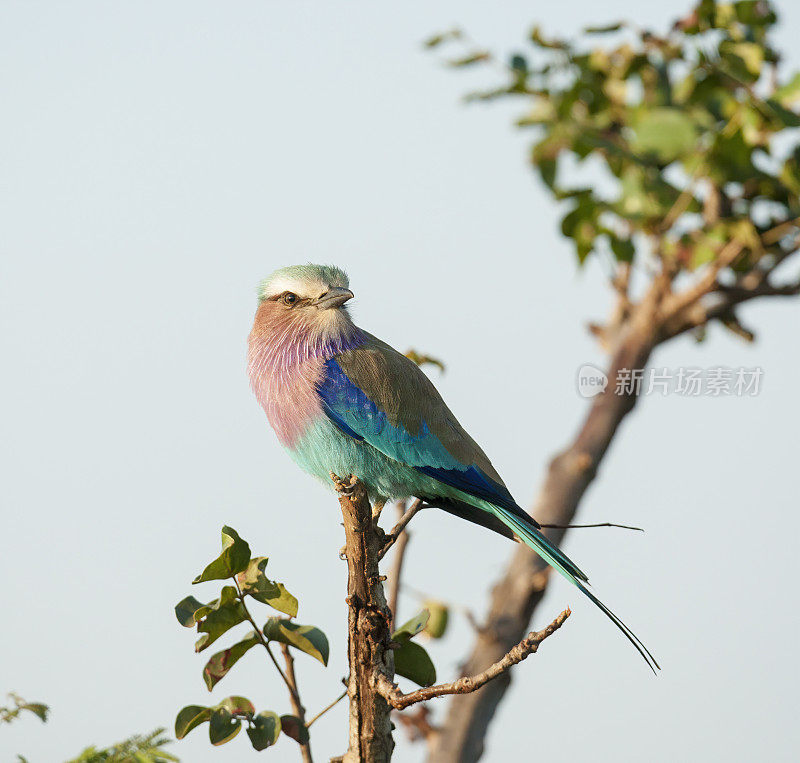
289, 298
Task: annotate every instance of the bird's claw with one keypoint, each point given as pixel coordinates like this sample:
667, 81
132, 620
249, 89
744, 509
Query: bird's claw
345, 486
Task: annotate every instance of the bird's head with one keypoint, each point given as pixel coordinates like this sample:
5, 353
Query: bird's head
310, 290
304, 305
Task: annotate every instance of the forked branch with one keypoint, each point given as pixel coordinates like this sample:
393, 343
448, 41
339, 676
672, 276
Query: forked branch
467, 684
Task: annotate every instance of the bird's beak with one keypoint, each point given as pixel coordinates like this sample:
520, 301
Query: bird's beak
334, 297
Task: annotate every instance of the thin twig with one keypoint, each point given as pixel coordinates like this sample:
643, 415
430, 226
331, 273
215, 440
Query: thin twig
774, 235
397, 564
467, 684
684, 199
297, 707
326, 708
727, 256
399, 527
265, 643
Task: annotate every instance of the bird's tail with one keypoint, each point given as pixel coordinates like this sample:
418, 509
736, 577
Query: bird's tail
537, 541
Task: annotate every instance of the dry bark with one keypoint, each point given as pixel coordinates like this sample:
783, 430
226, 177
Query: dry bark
368, 652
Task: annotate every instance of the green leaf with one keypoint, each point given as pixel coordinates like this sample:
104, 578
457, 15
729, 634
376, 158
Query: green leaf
605, 29
37, 708
235, 704
413, 662
421, 360
438, 39
786, 117
234, 558
292, 727
185, 611
255, 583
623, 248
220, 664
548, 169
788, 94
537, 38
751, 54
265, 730
411, 628
519, 63
219, 617
667, 133
437, 624
479, 56
306, 638
190, 717
222, 726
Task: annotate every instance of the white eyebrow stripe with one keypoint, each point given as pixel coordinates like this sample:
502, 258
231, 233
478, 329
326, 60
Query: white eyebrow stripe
302, 287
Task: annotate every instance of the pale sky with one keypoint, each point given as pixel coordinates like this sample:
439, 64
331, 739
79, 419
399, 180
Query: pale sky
158, 160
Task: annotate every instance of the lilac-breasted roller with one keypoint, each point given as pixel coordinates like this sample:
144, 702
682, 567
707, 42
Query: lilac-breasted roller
342, 401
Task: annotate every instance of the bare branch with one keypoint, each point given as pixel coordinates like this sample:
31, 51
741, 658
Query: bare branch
468, 684
326, 708
290, 685
400, 526
707, 281
397, 563
523, 584
297, 707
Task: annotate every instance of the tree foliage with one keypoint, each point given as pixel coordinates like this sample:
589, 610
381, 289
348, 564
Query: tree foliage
691, 132
146, 748
230, 609
19, 705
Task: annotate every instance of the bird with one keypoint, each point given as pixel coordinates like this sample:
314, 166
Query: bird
342, 401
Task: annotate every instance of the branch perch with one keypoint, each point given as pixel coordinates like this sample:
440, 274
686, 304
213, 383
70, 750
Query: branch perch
468, 684
369, 636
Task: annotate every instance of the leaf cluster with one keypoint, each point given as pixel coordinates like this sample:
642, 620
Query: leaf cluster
411, 660
212, 620
692, 132
147, 748
19, 705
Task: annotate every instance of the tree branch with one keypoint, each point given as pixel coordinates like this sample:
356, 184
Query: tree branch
397, 563
297, 707
523, 584
707, 281
327, 707
468, 684
290, 685
368, 651
397, 530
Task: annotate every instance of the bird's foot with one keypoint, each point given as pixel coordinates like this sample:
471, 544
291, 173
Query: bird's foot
344, 485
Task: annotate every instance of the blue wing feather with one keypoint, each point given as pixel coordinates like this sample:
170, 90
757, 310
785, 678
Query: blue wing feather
361, 418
